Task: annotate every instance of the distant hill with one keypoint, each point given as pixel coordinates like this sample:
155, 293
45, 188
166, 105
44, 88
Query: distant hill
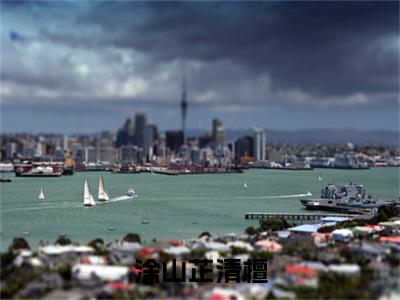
322, 136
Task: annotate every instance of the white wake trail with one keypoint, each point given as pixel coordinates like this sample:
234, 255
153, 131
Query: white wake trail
39, 208
280, 196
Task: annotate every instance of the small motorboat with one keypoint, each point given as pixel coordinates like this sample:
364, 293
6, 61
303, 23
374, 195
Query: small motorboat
131, 193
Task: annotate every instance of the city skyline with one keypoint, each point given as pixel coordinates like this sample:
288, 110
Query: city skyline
267, 65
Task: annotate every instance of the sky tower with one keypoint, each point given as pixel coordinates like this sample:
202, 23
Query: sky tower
184, 105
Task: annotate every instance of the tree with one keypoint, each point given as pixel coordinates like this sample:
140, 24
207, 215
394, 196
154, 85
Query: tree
132, 238
273, 224
7, 265
98, 246
63, 240
385, 213
19, 243
250, 230
205, 233
96, 243
303, 247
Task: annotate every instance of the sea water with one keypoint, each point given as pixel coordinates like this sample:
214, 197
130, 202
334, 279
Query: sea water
217, 202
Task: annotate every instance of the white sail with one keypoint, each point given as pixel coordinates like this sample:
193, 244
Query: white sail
319, 178
245, 186
103, 196
41, 194
87, 196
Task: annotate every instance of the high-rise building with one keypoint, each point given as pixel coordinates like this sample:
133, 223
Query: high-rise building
90, 155
106, 154
125, 135
174, 140
162, 146
184, 106
141, 132
244, 147
152, 136
105, 139
259, 144
10, 149
128, 154
65, 143
218, 133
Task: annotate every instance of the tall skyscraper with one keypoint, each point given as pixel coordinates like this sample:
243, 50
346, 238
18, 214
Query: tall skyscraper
184, 105
174, 140
152, 135
244, 147
141, 132
259, 144
125, 135
218, 133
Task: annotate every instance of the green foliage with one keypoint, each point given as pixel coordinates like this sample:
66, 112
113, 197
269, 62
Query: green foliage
303, 247
262, 255
346, 224
19, 243
65, 271
326, 229
132, 238
96, 242
204, 233
237, 251
16, 281
385, 213
98, 246
251, 230
392, 259
273, 224
7, 266
336, 286
63, 240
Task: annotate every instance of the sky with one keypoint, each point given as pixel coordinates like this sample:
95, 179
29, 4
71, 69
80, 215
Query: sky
86, 66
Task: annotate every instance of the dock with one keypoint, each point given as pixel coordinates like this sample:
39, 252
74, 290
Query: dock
294, 218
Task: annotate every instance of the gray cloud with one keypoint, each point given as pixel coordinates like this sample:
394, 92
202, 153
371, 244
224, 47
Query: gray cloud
240, 56
334, 48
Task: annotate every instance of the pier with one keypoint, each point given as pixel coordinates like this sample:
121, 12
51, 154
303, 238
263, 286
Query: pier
294, 218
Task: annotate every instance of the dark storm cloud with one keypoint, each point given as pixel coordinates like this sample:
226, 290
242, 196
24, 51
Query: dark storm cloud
326, 49
256, 57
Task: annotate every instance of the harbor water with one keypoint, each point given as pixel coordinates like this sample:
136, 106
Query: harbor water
176, 207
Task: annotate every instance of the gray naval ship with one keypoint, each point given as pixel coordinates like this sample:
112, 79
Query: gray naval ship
339, 197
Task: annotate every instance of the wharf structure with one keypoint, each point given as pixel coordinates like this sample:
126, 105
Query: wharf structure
300, 218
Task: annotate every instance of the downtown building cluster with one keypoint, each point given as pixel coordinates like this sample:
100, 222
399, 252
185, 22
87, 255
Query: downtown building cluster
140, 143
137, 142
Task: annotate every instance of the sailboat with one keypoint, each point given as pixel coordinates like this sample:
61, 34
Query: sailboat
245, 186
103, 196
319, 177
41, 195
88, 200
